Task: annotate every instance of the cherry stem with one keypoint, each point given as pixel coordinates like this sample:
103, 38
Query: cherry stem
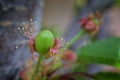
37, 67
76, 37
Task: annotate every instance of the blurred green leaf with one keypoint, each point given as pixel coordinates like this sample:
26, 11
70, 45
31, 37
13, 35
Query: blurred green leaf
117, 2
79, 68
107, 76
105, 52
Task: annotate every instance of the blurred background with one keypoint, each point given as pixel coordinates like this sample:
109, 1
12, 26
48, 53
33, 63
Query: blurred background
60, 16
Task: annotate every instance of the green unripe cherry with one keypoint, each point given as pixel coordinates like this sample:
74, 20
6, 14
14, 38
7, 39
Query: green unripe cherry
44, 41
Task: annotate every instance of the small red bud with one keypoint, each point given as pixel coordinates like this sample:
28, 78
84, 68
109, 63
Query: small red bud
54, 50
31, 45
91, 23
83, 21
69, 56
90, 26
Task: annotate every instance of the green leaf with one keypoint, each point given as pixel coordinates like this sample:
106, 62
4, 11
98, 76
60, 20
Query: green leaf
44, 78
78, 68
107, 76
105, 52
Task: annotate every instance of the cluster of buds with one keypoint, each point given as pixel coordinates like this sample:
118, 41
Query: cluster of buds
91, 23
